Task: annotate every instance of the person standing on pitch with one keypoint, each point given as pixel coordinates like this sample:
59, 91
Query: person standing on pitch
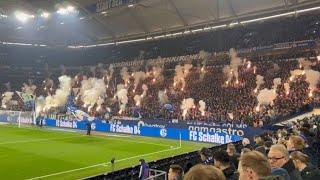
88, 128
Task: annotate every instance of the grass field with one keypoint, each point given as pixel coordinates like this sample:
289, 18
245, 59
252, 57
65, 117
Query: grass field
31, 153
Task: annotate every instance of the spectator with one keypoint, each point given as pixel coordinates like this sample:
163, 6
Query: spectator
253, 165
259, 141
203, 172
144, 170
246, 143
262, 150
295, 143
234, 155
279, 157
302, 163
175, 172
245, 150
222, 161
280, 172
206, 156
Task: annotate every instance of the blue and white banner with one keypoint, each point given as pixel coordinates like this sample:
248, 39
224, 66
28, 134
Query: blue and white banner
197, 136
13, 117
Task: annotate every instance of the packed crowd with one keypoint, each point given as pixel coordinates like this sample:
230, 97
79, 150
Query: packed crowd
288, 154
232, 102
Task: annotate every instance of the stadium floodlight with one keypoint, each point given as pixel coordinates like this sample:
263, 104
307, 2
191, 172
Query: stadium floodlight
70, 8
309, 9
197, 30
156, 37
135, 40
62, 11
178, 33
23, 17
220, 26
62, 23
45, 15
130, 5
82, 18
19, 27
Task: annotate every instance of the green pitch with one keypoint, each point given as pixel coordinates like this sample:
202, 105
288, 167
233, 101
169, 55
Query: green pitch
31, 153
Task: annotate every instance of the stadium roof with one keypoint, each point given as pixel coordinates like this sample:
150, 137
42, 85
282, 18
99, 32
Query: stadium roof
111, 20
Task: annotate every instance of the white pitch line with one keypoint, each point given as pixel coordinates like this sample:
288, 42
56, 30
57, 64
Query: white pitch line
37, 140
140, 142
103, 164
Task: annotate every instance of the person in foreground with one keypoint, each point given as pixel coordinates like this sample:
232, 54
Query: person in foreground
175, 172
204, 172
279, 157
302, 163
253, 166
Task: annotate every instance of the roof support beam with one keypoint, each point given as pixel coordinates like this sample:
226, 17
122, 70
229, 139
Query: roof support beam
232, 9
184, 22
96, 18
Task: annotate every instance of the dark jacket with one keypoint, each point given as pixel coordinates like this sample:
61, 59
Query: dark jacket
310, 173
144, 171
291, 169
230, 173
235, 160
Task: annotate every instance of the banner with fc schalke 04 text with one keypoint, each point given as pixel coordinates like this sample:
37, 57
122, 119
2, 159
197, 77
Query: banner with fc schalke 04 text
183, 134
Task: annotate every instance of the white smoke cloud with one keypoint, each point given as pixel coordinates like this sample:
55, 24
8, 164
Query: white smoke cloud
234, 63
259, 82
312, 77
138, 77
163, 98
61, 95
287, 87
202, 107
186, 105
28, 89
6, 98
276, 83
137, 99
122, 95
125, 75
305, 63
266, 97
92, 95
145, 89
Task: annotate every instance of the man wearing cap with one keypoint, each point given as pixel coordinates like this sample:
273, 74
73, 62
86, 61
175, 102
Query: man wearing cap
206, 156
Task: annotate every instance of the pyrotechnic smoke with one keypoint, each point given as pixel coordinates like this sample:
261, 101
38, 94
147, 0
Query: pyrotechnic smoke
186, 105
163, 98
276, 83
145, 89
230, 115
287, 87
259, 82
63, 69
125, 75
99, 103
228, 73
156, 73
91, 96
122, 97
28, 89
202, 107
312, 77
305, 63
41, 102
180, 73
137, 99
93, 71
205, 56
254, 69
138, 77
8, 86
110, 72
61, 95
266, 97
6, 97
235, 63
86, 84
